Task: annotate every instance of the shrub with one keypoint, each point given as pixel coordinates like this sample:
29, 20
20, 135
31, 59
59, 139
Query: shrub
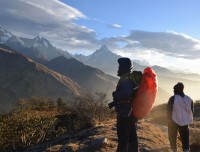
85, 112
93, 107
197, 104
36, 103
197, 108
37, 120
19, 130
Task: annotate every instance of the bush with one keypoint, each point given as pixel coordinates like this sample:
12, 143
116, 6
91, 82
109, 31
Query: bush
93, 107
37, 120
85, 112
73, 122
36, 103
197, 108
19, 130
197, 104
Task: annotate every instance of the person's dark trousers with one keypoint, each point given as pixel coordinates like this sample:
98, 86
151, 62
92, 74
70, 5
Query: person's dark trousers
173, 129
127, 135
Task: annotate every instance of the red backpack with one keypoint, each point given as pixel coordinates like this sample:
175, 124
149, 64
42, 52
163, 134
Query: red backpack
146, 94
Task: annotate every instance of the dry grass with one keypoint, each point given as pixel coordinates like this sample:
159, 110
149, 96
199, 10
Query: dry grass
151, 137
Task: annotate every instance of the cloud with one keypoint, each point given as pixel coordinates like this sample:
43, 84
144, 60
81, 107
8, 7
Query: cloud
115, 26
174, 44
167, 49
53, 20
168, 43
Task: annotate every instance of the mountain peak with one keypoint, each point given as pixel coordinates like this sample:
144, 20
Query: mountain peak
104, 47
4, 35
102, 51
2, 29
40, 38
41, 41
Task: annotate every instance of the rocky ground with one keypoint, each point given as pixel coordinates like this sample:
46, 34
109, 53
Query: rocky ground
102, 138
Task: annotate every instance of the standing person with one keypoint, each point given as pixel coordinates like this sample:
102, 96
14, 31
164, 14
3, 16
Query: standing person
126, 123
180, 115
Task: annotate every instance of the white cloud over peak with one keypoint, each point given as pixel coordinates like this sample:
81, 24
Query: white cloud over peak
173, 44
184, 35
52, 19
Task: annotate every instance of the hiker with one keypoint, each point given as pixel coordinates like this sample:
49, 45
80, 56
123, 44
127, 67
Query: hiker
180, 115
126, 123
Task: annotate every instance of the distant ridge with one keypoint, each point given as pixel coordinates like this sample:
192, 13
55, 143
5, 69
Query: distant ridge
86, 76
21, 77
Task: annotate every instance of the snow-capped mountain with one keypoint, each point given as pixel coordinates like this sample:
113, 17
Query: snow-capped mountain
105, 60
37, 42
6, 37
102, 59
102, 52
37, 48
44, 49
41, 42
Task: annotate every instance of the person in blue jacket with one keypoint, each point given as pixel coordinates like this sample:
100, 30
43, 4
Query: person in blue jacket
180, 114
122, 96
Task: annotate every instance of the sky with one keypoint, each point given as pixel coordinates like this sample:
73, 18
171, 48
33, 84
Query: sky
162, 32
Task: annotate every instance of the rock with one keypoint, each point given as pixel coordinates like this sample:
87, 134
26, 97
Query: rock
143, 148
72, 147
100, 142
114, 128
55, 148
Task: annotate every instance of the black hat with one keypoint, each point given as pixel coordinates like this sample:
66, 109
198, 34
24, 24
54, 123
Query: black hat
125, 63
179, 86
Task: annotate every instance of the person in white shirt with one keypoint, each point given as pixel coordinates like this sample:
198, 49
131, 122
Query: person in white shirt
180, 110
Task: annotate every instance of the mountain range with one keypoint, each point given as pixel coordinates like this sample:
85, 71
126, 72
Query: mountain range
37, 48
87, 77
106, 61
95, 72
